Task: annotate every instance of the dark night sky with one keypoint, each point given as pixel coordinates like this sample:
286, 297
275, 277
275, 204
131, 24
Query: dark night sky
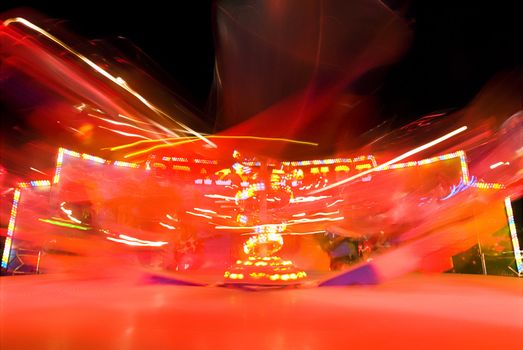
457, 46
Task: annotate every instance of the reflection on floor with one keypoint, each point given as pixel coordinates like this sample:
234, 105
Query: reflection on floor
415, 311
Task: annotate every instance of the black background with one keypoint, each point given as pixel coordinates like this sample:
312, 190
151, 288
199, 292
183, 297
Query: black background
457, 47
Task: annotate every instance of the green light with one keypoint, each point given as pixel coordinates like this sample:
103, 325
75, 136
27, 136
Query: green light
65, 224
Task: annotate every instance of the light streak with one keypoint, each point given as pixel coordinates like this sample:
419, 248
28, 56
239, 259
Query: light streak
64, 224
114, 122
132, 119
318, 214
235, 227
167, 226
136, 242
304, 233
307, 199
10, 189
123, 133
326, 214
197, 214
185, 140
334, 203
493, 166
80, 107
395, 160
217, 196
116, 80
305, 220
205, 210
38, 171
69, 213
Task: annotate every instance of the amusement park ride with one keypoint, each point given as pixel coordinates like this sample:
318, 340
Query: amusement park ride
185, 217
243, 218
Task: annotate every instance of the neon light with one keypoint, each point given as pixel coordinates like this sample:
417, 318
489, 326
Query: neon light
330, 161
93, 158
59, 162
488, 185
464, 167
11, 228
363, 166
279, 269
126, 164
35, 183
205, 161
7, 250
72, 153
513, 235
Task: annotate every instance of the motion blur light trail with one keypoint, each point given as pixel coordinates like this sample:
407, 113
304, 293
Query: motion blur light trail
124, 200
284, 191
117, 80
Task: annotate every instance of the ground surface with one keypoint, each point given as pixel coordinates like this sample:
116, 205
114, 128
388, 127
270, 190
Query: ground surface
416, 311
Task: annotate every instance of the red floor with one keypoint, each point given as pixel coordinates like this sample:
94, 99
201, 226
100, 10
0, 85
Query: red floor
413, 312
